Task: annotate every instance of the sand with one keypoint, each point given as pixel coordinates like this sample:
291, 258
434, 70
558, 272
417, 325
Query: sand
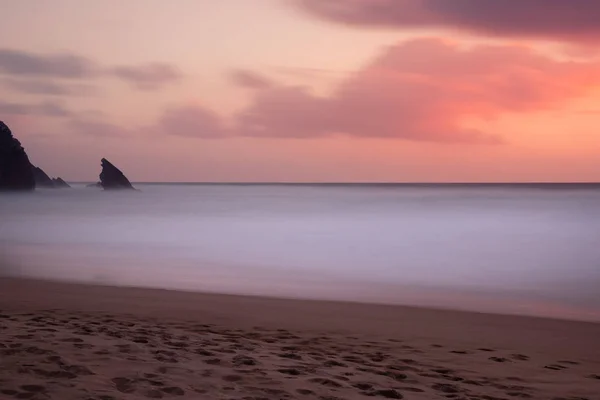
68, 341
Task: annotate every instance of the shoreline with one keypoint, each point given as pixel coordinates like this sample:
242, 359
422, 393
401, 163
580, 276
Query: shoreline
245, 310
363, 300
73, 341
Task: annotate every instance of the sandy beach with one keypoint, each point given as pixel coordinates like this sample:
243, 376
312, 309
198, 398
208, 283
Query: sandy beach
68, 341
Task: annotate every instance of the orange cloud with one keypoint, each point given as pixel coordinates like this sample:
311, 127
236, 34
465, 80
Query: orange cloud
423, 89
554, 19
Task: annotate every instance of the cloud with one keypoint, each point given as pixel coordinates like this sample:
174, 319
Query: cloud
48, 109
249, 79
310, 73
191, 121
555, 19
61, 65
284, 111
423, 89
48, 87
188, 120
96, 127
38, 72
148, 77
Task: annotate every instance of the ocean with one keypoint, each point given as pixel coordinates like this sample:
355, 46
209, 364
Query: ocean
516, 249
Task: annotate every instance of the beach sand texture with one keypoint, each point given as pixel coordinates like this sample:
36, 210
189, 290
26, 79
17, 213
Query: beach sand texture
67, 341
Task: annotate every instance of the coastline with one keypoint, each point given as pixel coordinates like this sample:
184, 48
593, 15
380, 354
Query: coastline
334, 349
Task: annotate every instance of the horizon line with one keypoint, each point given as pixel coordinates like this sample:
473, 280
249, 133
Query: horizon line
419, 183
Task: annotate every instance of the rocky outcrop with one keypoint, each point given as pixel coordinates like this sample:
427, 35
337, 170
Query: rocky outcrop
16, 172
41, 178
111, 177
60, 183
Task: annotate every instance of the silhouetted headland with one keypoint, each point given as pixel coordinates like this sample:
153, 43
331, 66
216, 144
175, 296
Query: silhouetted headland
16, 172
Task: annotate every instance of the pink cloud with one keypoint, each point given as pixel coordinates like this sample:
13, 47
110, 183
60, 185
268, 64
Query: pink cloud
420, 90
423, 89
148, 77
96, 127
191, 121
249, 79
534, 18
284, 111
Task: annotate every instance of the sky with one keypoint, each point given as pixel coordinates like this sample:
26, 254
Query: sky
305, 90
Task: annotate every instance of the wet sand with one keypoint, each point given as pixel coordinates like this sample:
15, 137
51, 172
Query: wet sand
69, 341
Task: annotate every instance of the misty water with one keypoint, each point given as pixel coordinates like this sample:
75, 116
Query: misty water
509, 249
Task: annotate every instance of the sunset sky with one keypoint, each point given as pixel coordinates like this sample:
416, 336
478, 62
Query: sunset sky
305, 90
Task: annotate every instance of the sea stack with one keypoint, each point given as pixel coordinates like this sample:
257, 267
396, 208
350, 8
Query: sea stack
111, 177
16, 172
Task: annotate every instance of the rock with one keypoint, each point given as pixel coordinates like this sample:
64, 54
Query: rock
16, 172
41, 178
60, 183
112, 178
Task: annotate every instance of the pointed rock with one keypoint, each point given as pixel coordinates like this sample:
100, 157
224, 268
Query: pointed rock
111, 177
16, 172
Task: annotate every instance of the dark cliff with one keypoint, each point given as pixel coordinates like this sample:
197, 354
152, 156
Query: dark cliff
16, 172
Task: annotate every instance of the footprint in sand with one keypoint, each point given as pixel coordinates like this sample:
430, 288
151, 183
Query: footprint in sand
411, 389
446, 388
291, 356
499, 359
568, 362
443, 370
71, 340
333, 363
291, 371
123, 384
388, 393
326, 382
232, 378
33, 388
153, 394
239, 361
555, 367
174, 390
519, 395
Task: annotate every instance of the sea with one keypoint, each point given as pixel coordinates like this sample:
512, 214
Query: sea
530, 249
